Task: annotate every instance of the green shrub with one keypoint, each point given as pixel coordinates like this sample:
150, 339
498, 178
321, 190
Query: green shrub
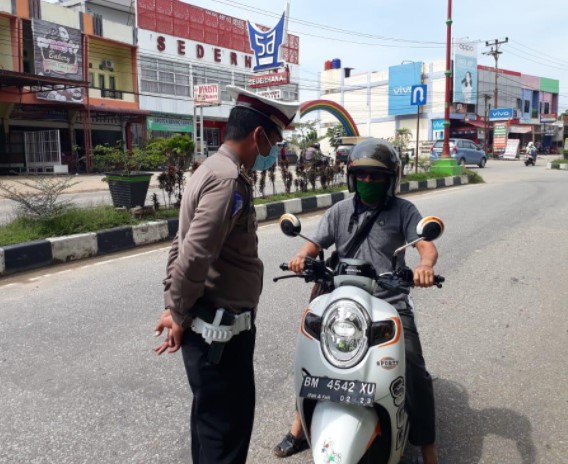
474, 177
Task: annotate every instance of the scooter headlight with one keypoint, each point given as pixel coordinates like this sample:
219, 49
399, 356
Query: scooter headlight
344, 333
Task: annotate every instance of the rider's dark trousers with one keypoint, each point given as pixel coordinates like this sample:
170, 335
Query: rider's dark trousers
419, 390
222, 411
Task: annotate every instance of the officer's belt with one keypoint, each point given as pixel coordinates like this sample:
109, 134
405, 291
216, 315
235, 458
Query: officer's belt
219, 326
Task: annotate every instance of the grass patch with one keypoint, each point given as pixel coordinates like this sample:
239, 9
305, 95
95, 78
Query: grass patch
474, 177
75, 221
559, 161
419, 176
288, 196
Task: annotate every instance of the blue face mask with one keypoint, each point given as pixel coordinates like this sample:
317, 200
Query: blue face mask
264, 162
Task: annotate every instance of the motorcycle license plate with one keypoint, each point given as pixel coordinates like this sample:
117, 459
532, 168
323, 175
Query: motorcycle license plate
339, 391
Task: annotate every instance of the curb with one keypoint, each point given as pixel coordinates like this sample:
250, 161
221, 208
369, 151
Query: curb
561, 166
41, 253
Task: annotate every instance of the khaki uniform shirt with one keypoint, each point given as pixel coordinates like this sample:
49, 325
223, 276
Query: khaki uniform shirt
215, 253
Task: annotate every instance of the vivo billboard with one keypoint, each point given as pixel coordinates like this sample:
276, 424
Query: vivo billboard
401, 80
501, 114
465, 72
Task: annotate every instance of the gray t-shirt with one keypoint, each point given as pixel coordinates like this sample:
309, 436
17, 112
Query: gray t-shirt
393, 228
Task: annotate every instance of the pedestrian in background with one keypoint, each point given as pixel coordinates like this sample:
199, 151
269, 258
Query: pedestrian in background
214, 279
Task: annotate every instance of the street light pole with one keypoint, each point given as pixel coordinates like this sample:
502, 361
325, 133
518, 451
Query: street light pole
446, 147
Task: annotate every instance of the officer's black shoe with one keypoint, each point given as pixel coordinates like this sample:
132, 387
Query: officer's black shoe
290, 445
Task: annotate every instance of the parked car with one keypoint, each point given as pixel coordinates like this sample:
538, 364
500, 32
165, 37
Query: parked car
464, 151
342, 153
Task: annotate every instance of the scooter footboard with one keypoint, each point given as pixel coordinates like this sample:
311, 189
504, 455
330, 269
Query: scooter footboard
342, 432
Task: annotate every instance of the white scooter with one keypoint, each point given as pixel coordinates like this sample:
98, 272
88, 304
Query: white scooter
350, 366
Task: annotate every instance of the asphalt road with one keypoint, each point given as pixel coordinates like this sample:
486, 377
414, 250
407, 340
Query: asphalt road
80, 383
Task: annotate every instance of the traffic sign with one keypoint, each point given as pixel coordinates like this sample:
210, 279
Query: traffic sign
418, 94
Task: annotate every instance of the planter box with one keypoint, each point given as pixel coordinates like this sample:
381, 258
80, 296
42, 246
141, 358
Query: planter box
128, 190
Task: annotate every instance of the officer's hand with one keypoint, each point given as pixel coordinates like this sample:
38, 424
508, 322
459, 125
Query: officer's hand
165, 322
423, 276
296, 264
176, 335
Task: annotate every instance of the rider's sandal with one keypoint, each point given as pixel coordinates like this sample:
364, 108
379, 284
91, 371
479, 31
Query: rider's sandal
290, 445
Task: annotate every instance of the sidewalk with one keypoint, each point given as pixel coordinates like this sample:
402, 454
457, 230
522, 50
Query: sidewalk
83, 182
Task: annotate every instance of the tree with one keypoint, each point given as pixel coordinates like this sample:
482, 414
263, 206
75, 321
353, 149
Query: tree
334, 135
304, 135
400, 141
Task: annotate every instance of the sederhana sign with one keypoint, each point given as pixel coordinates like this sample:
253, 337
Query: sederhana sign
268, 80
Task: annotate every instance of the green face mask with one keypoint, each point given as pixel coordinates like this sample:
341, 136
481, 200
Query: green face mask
372, 192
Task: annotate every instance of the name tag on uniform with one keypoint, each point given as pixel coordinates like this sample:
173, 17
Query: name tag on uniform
238, 203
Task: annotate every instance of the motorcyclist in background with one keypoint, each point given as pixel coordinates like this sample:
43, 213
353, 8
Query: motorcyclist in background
373, 174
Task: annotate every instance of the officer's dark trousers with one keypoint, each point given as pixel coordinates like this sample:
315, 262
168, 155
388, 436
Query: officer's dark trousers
419, 390
222, 411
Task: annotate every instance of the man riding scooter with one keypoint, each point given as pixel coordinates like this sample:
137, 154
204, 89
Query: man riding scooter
531, 154
373, 174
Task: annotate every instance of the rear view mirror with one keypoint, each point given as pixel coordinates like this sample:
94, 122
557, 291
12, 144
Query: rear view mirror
430, 228
290, 225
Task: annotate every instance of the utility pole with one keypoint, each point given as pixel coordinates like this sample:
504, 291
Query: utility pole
448, 73
494, 52
486, 97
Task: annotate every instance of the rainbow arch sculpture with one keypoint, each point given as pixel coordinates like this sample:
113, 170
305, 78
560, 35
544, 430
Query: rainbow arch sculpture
335, 109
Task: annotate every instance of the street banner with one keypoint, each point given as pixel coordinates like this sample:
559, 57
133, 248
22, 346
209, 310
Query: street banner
512, 149
499, 136
58, 52
465, 72
206, 95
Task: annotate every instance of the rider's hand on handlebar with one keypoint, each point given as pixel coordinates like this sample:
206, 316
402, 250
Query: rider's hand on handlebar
423, 276
296, 264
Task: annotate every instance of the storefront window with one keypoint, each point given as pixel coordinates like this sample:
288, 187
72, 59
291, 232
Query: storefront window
164, 77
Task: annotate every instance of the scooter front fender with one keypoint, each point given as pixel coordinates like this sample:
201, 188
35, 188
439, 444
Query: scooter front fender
342, 432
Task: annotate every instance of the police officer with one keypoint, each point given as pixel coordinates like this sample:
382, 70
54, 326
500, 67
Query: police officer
214, 280
373, 174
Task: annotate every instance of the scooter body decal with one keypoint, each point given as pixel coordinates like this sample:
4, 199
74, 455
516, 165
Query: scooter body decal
329, 454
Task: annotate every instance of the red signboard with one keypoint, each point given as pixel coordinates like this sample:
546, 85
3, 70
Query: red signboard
180, 19
268, 80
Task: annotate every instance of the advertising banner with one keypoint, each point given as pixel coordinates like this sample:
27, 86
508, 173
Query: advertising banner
500, 136
401, 80
512, 149
501, 114
465, 72
155, 123
58, 52
206, 95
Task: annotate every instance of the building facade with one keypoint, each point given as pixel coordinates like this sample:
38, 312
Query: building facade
181, 46
380, 101
68, 82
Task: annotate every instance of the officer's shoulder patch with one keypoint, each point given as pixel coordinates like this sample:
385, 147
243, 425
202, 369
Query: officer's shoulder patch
238, 203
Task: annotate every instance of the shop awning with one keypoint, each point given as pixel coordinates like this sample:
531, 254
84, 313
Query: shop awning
478, 124
126, 111
520, 128
18, 79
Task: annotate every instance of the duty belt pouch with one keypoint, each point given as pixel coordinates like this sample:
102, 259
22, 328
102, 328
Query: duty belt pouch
210, 317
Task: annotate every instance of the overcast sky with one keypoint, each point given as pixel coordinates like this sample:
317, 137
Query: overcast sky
415, 30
